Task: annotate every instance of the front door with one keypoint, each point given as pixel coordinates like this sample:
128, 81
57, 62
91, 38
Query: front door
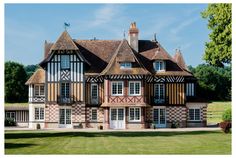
159, 117
65, 118
117, 118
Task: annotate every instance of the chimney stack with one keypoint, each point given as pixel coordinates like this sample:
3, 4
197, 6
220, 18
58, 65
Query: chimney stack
133, 36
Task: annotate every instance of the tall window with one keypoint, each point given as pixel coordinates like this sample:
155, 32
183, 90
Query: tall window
39, 90
159, 91
194, 114
189, 89
94, 115
125, 65
134, 114
134, 88
159, 65
65, 90
65, 61
117, 88
39, 113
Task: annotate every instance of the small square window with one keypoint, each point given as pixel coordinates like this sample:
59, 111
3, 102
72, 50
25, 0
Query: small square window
125, 65
159, 65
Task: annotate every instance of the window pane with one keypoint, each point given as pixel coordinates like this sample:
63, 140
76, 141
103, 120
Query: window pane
36, 114
131, 114
65, 61
114, 88
120, 114
120, 88
62, 116
41, 113
197, 114
191, 114
113, 114
137, 88
94, 114
68, 116
137, 113
94, 91
131, 87
41, 90
65, 90
36, 90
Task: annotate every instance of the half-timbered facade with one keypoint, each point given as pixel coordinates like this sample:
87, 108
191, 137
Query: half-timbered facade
117, 84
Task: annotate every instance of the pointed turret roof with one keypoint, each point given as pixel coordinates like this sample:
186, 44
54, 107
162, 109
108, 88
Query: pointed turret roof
64, 42
178, 58
124, 53
37, 78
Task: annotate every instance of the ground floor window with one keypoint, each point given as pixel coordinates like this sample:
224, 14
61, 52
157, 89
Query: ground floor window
94, 115
39, 113
194, 114
134, 114
11, 115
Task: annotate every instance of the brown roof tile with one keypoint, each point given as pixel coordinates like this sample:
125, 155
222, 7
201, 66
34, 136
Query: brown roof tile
37, 77
178, 58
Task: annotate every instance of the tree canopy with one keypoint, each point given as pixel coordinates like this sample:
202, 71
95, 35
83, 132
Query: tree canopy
214, 83
218, 49
15, 78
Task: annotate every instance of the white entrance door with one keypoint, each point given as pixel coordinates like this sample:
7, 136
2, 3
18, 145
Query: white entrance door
159, 117
65, 118
117, 118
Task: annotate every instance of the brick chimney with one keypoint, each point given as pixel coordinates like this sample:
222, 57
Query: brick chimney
133, 36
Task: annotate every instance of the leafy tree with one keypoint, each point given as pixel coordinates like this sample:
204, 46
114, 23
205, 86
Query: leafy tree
15, 78
30, 69
218, 49
214, 83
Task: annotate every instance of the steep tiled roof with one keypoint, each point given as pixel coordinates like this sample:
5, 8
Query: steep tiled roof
37, 77
64, 42
47, 48
124, 54
178, 58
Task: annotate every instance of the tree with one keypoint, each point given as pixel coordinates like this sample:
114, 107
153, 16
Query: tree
15, 78
218, 49
214, 83
30, 69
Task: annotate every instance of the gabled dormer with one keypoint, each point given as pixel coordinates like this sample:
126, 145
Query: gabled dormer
159, 65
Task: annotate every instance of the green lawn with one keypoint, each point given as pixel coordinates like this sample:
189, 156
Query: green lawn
45, 142
17, 104
215, 111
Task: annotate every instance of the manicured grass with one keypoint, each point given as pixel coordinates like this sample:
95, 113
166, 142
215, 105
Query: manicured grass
46, 142
16, 104
215, 111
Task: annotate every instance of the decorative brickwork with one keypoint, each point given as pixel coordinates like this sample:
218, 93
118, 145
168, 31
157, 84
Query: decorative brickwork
51, 113
176, 113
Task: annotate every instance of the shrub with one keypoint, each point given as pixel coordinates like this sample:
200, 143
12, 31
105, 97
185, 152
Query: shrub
80, 125
226, 126
174, 124
227, 115
10, 122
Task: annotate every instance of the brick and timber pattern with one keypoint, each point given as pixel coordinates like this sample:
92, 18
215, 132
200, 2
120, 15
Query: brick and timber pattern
176, 114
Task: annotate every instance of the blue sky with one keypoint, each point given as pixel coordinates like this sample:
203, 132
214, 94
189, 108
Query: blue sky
27, 26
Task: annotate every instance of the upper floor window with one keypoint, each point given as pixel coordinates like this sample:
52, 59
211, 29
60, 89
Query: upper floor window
159, 92
65, 61
189, 89
125, 65
134, 88
65, 90
39, 90
159, 65
117, 88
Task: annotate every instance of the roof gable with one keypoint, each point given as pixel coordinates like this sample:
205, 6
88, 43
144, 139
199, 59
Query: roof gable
38, 77
64, 42
178, 58
124, 53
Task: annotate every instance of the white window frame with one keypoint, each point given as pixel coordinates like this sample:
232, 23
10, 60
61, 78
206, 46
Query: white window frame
190, 89
10, 113
125, 65
94, 84
113, 82
39, 88
194, 114
65, 61
135, 82
158, 85
92, 114
158, 62
40, 110
135, 114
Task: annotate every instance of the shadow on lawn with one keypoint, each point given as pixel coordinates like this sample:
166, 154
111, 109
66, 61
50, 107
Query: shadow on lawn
102, 134
15, 145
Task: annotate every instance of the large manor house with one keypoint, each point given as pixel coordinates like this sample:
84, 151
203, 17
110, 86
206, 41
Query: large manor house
113, 84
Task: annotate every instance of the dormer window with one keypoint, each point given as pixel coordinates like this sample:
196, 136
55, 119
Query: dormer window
159, 65
125, 65
65, 61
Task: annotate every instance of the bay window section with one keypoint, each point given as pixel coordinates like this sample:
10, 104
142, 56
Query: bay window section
39, 90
